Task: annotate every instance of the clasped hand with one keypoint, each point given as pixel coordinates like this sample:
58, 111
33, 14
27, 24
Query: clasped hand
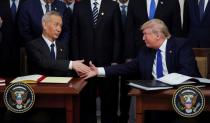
83, 70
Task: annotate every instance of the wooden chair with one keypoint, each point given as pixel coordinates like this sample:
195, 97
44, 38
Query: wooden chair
202, 56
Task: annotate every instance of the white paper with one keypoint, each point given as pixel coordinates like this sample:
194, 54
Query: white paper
34, 78
203, 80
174, 78
56, 80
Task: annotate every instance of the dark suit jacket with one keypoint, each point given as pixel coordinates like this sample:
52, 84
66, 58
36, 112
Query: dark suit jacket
199, 30
0, 37
10, 44
100, 43
179, 59
30, 17
167, 10
40, 61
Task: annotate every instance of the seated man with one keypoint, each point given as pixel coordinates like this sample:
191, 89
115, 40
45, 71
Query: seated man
163, 54
50, 58
47, 56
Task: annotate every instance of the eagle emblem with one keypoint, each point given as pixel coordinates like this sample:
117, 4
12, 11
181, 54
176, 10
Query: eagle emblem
188, 101
19, 97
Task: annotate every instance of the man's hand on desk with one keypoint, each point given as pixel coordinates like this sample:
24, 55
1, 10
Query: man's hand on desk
80, 68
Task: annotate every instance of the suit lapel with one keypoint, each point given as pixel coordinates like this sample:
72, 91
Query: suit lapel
59, 50
151, 57
196, 9
88, 10
39, 12
206, 10
170, 55
44, 47
104, 9
159, 8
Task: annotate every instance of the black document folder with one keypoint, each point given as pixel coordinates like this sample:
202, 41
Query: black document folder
149, 84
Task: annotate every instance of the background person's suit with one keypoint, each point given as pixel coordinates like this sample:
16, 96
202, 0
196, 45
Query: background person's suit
10, 44
198, 30
30, 17
166, 10
99, 43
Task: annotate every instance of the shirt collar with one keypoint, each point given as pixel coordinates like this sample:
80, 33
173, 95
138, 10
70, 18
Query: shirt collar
126, 4
99, 2
48, 41
44, 3
163, 46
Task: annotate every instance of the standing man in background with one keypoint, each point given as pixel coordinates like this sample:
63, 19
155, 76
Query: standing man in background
198, 23
140, 11
97, 37
123, 87
29, 20
10, 44
70, 4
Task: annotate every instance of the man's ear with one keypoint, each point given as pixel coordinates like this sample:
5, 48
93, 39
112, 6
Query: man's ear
44, 25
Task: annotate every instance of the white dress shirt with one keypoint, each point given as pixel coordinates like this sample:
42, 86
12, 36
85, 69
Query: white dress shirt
163, 55
205, 4
16, 3
43, 3
71, 6
126, 8
98, 5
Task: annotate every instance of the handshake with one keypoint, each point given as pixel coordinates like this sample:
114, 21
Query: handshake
83, 70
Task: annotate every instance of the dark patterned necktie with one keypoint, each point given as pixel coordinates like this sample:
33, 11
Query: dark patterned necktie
13, 9
47, 6
52, 52
123, 14
201, 8
95, 12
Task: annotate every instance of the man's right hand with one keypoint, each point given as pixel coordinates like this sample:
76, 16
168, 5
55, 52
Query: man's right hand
92, 73
80, 68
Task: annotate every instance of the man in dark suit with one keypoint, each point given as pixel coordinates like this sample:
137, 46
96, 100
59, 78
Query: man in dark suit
162, 54
29, 19
123, 85
96, 37
48, 56
140, 11
198, 23
10, 46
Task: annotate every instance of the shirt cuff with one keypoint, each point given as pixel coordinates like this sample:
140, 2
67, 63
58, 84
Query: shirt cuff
70, 65
101, 72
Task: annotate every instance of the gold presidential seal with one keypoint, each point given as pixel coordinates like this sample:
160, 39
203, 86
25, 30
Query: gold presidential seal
19, 97
188, 101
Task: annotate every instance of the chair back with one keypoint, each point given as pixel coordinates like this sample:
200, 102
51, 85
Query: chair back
202, 56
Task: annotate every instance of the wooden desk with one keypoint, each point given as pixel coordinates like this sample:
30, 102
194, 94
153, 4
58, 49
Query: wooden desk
57, 96
158, 100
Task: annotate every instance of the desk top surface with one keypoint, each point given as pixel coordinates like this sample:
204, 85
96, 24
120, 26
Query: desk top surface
73, 87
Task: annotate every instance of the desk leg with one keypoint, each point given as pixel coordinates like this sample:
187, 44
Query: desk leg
139, 110
69, 109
